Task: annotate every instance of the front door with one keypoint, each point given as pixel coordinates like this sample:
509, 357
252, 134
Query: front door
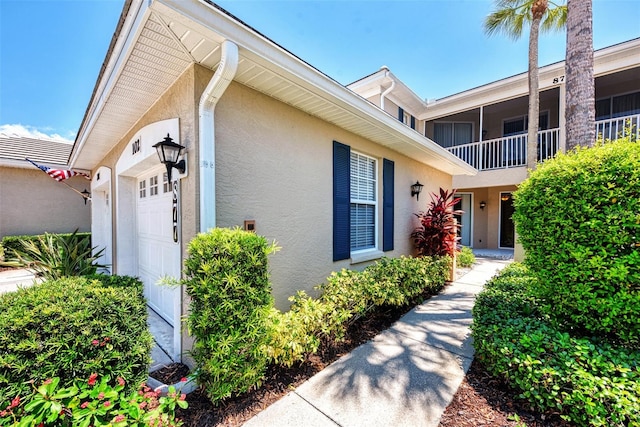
507, 229
465, 204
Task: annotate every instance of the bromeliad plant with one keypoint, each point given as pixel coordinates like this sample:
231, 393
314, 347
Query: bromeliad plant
437, 234
93, 402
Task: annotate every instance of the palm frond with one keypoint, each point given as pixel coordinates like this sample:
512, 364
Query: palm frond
555, 19
509, 18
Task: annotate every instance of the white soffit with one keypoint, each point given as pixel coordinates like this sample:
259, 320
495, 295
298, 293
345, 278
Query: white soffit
176, 34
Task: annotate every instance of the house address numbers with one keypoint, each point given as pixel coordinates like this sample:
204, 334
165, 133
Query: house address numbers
559, 79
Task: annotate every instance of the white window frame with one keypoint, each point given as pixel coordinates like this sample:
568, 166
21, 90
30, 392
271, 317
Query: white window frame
361, 254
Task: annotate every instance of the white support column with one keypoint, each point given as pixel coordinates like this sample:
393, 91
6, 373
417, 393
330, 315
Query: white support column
481, 122
561, 119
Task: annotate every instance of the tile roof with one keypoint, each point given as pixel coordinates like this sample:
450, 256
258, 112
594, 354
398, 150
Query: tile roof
38, 150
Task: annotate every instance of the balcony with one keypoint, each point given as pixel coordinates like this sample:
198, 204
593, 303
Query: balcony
511, 151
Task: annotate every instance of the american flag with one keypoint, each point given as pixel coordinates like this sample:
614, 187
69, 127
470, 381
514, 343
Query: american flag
58, 174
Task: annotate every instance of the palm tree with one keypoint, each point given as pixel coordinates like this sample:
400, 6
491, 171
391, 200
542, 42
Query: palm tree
510, 18
580, 93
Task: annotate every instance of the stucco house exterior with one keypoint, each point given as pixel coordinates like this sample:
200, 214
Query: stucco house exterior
31, 202
270, 142
487, 127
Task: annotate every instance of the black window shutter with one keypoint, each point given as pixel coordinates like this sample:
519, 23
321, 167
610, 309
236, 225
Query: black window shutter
341, 201
387, 204
401, 114
413, 122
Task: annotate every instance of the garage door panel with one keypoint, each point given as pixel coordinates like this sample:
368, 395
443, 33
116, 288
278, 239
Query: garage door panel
158, 254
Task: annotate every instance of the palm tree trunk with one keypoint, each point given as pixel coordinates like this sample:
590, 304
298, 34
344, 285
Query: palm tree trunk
580, 92
534, 96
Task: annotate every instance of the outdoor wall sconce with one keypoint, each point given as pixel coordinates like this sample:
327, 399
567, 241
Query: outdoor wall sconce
416, 189
483, 204
169, 152
86, 195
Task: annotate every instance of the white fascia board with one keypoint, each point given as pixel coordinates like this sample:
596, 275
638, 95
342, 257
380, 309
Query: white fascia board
131, 28
606, 61
269, 55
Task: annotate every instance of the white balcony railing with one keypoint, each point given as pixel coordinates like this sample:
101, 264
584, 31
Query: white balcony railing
511, 151
615, 128
507, 152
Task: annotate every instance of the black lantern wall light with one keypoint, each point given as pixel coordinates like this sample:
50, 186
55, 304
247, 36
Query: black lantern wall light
169, 152
416, 189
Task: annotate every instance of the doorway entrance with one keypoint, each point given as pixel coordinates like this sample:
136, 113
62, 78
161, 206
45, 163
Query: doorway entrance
507, 229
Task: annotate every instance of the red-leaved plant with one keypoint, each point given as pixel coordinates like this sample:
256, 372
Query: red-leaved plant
437, 234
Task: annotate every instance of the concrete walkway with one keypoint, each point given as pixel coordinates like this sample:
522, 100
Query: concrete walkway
406, 376
10, 280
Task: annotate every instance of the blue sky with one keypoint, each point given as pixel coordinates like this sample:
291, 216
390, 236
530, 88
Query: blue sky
51, 50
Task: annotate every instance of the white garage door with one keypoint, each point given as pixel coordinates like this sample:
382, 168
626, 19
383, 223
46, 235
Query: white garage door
158, 254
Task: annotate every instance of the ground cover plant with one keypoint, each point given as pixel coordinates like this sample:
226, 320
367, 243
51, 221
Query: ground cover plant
578, 219
93, 401
588, 381
71, 328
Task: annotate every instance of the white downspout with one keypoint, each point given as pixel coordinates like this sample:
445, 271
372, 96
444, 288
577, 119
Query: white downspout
387, 90
217, 85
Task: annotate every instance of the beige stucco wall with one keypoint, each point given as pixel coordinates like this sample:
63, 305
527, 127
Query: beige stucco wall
274, 166
31, 202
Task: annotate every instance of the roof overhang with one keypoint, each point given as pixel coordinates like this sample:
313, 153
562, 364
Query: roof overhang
381, 80
608, 60
158, 40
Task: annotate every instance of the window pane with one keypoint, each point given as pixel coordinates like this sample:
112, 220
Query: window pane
513, 127
625, 105
363, 178
363, 202
462, 133
443, 134
603, 109
362, 226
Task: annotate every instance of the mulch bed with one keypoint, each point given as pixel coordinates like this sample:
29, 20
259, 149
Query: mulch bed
279, 380
481, 399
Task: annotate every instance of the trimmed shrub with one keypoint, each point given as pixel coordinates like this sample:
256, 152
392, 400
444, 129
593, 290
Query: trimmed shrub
54, 256
587, 381
465, 258
227, 280
578, 218
347, 296
71, 328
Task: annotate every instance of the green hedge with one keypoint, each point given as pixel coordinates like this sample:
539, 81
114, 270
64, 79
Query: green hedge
11, 243
228, 282
588, 382
578, 219
347, 296
71, 328
465, 258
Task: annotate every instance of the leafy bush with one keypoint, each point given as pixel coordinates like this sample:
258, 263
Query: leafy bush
578, 218
70, 328
93, 402
54, 256
465, 258
227, 280
587, 382
10, 243
438, 230
347, 296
